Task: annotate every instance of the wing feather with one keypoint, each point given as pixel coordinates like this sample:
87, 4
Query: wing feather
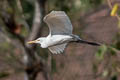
58, 49
58, 23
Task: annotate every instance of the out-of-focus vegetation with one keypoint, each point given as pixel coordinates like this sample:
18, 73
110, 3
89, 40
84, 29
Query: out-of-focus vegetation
111, 51
73, 5
22, 12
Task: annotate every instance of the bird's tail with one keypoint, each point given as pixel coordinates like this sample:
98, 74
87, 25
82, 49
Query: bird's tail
88, 42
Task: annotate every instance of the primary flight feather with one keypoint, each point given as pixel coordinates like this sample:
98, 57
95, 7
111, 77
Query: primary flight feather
60, 33
58, 23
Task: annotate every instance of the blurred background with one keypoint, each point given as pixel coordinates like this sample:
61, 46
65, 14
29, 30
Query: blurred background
22, 20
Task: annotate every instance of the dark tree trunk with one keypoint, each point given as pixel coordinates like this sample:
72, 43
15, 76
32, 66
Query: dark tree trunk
33, 64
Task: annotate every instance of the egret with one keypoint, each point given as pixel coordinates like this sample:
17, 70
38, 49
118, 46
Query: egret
60, 33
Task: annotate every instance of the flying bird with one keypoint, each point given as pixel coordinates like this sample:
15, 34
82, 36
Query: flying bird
60, 33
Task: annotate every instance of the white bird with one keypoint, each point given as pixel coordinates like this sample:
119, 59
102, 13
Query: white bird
60, 33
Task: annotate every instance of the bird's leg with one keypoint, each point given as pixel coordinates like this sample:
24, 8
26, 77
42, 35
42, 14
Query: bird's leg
78, 40
88, 42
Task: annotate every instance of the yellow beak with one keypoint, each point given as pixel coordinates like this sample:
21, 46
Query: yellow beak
31, 42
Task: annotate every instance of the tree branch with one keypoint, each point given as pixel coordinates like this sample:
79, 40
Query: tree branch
32, 62
21, 11
37, 22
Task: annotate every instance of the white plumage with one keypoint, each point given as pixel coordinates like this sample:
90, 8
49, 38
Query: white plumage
60, 33
59, 24
58, 48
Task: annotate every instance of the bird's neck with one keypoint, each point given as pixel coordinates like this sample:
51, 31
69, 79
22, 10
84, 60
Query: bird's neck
44, 42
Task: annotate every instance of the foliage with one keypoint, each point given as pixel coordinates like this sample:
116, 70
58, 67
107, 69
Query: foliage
101, 51
112, 50
110, 54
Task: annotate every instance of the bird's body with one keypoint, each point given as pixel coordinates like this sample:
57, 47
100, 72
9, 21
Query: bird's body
56, 43
55, 40
60, 33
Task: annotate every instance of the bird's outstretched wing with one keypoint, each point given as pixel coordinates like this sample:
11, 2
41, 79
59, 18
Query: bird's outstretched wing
58, 48
58, 22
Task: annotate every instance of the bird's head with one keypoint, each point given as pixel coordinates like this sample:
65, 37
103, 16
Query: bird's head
39, 41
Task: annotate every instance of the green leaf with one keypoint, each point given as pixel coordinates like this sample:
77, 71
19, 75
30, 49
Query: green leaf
101, 52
